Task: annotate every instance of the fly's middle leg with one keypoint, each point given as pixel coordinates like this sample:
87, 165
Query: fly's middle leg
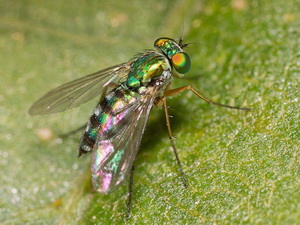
163, 102
130, 191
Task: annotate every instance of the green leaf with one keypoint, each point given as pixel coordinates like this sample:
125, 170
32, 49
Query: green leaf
241, 167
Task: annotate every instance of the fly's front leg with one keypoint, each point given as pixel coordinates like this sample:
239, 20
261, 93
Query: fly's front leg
79, 129
188, 87
130, 191
163, 102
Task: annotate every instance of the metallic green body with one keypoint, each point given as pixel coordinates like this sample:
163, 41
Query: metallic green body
145, 68
129, 90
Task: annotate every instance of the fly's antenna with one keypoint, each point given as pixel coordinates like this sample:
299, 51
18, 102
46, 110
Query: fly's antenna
181, 35
180, 42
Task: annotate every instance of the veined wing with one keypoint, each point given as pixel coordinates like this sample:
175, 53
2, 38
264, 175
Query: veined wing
114, 156
76, 92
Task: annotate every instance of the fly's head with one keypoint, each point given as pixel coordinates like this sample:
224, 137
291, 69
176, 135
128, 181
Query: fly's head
175, 53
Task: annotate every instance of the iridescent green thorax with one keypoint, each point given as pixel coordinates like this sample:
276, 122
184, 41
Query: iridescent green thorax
145, 68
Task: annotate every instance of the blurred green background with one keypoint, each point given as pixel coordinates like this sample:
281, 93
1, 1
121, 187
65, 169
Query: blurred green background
242, 167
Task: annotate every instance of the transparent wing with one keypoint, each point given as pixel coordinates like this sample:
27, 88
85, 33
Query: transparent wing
114, 156
76, 92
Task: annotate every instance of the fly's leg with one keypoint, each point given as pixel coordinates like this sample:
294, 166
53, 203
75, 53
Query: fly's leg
72, 132
130, 191
188, 87
81, 128
164, 102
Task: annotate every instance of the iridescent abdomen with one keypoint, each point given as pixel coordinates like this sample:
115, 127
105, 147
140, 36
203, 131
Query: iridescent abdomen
103, 121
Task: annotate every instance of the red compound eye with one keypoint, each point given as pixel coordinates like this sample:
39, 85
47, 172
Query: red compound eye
181, 62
